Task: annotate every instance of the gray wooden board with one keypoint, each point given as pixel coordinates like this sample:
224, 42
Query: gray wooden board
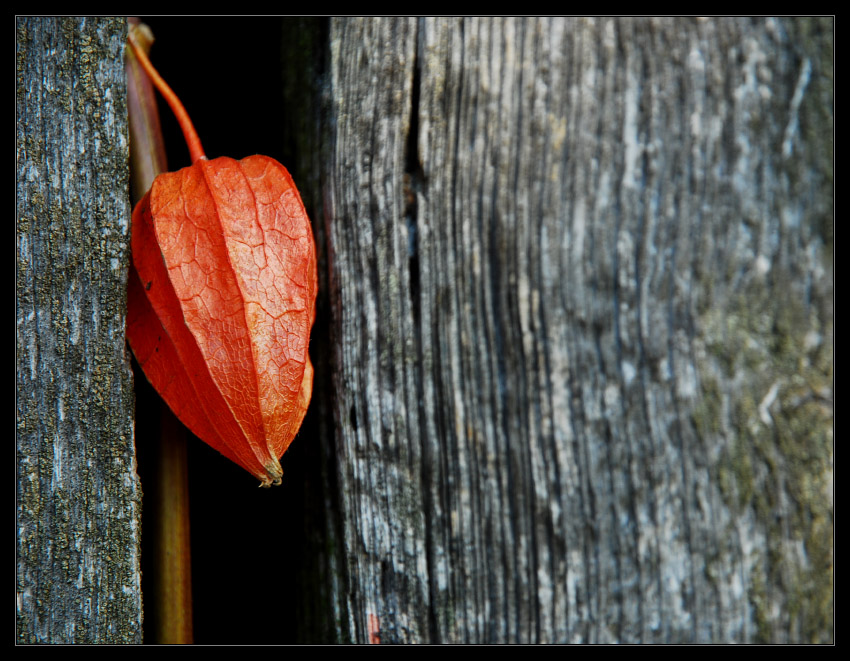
581, 279
78, 496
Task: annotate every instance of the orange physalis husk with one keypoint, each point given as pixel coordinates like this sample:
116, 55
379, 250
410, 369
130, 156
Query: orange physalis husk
221, 300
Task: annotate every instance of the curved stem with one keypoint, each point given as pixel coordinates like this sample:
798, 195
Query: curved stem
196, 151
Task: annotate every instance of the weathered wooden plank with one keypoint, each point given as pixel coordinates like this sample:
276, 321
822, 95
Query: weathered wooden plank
78, 494
581, 283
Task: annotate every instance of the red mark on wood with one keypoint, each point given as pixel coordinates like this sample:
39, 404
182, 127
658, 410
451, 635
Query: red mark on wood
374, 630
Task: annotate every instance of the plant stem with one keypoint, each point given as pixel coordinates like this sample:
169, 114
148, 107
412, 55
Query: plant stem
172, 564
167, 492
147, 150
196, 151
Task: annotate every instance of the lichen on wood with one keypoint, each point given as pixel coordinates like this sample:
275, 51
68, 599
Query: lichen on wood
78, 495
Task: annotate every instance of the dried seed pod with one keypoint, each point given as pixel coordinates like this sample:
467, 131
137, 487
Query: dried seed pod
221, 301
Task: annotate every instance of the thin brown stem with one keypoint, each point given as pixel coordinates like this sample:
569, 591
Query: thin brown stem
172, 619
169, 605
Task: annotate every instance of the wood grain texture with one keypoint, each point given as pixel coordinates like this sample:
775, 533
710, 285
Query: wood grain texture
78, 496
580, 277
